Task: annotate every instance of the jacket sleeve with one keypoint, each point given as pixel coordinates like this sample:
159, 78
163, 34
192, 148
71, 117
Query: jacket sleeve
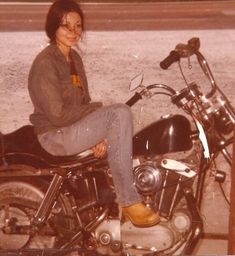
46, 94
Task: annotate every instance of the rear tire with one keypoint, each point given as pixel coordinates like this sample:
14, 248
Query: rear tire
19, 200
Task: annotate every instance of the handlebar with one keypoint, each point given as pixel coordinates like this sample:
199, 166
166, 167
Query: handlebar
137, 96
191, 91
170, 59
181, 51
147, 91
187, 50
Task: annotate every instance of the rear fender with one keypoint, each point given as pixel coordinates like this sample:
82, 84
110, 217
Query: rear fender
23, 159
18, 165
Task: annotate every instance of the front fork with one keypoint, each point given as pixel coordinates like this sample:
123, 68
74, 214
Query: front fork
222, 147
197, 223
48, 200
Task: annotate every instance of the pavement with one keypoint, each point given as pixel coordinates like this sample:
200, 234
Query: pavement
111, 59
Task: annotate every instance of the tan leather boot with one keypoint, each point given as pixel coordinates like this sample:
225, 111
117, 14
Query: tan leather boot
140, 215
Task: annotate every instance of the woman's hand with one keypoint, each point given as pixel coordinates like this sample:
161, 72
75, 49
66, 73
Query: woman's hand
100, 149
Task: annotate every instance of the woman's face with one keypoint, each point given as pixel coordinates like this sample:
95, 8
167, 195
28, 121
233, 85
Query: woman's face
69, 31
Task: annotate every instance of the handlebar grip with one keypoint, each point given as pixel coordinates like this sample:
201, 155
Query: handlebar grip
137, 96
171, 58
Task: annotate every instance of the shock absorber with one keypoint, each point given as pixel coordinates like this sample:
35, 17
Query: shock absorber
48, 200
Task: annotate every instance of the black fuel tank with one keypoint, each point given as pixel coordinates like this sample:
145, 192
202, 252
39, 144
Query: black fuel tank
171, 134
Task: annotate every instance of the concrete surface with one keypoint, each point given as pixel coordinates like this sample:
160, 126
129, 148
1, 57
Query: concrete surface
111, 60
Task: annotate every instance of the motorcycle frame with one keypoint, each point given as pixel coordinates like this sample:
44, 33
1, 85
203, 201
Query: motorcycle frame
59, 178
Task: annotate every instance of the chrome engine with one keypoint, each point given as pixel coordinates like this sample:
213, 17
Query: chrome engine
114, 236
148, 179
159, 183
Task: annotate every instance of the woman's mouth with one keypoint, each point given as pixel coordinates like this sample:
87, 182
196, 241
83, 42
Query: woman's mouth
72, 39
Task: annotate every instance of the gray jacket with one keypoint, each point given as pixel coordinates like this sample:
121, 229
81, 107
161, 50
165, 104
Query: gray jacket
57, 102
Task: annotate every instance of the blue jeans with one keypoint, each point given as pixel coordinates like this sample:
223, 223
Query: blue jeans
113, 123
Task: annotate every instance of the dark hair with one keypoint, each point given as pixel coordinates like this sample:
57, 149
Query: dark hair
55, 14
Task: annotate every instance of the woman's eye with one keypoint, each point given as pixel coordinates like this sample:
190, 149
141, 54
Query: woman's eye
78, 25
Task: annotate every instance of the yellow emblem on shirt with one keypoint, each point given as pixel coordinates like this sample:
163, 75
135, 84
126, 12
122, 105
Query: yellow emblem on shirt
76, 81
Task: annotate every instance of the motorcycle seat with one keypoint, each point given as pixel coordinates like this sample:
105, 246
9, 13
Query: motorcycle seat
24, 142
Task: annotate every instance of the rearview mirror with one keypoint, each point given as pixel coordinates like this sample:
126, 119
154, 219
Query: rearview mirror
136, 82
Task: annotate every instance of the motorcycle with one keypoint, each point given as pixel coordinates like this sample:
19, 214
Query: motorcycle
54, 205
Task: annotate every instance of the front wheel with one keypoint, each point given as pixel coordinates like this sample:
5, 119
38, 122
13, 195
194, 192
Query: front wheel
19, 200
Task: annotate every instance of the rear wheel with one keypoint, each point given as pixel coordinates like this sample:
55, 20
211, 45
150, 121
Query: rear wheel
19, 200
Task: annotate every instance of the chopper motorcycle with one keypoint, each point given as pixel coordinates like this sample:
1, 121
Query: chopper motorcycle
52, 205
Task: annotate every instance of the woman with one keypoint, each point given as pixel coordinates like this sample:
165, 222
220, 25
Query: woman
65, 120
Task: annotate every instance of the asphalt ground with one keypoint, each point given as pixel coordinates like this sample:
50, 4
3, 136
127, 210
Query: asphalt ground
127, 16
